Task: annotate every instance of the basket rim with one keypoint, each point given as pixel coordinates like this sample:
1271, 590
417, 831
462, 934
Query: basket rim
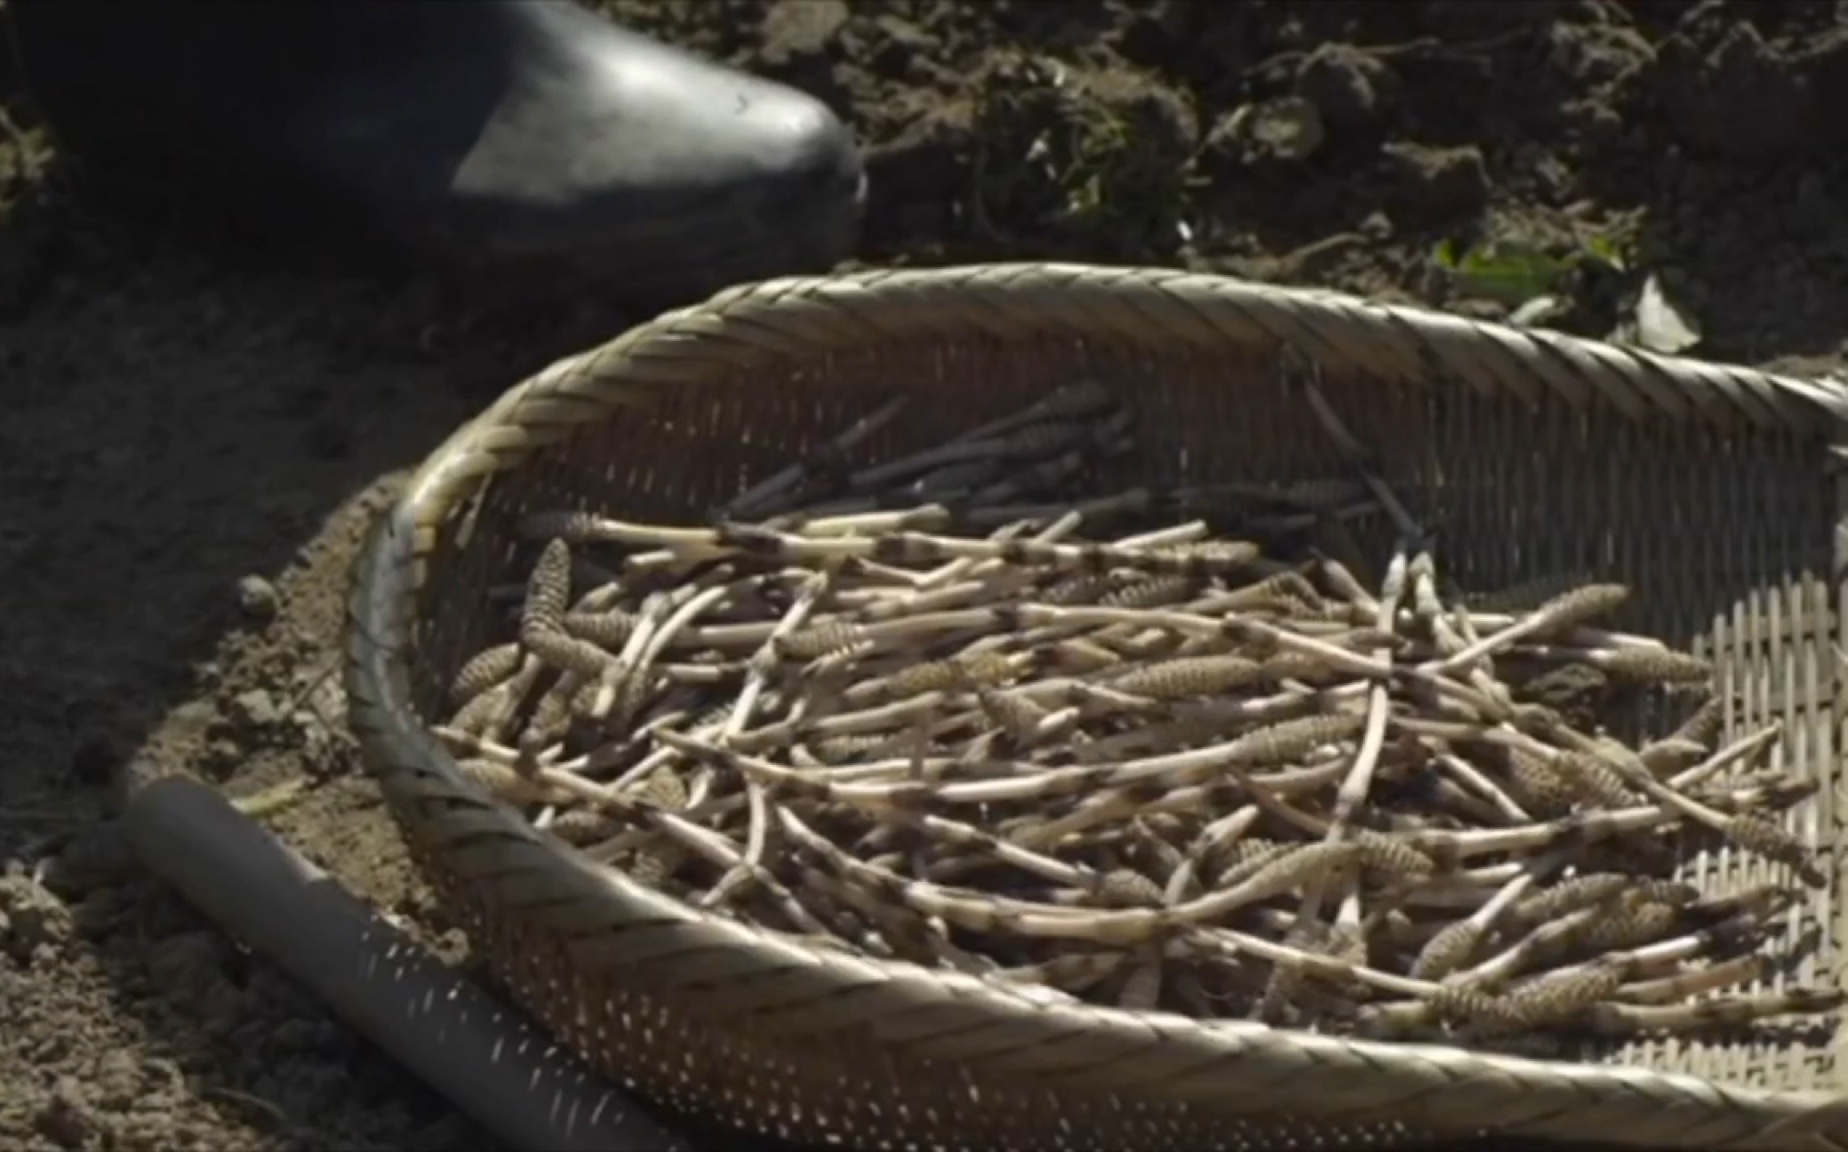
1239, 1067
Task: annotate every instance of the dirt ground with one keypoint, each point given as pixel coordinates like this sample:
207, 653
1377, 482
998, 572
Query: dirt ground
191, 444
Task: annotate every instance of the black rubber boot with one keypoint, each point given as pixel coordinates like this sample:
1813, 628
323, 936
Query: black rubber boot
519, 141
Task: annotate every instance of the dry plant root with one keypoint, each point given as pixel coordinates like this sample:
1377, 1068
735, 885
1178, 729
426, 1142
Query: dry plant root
1144, 750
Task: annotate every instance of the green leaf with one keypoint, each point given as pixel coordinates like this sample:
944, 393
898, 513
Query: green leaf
1509, 272
1606, 251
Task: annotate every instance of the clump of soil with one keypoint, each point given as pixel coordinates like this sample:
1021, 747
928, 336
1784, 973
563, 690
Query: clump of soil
193, 445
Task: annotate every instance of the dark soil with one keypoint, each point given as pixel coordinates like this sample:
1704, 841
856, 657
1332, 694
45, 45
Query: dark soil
191, 444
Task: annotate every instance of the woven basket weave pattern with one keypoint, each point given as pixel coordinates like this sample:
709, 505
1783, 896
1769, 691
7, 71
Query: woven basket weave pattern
1704, 487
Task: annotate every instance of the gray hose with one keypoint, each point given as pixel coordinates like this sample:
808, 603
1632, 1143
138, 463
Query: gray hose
487, 1060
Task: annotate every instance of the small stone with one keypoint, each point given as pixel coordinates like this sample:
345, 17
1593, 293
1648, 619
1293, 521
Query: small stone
35, 918
798, 29
257, 599
219, 758
1350, 88
254, 708
1439, 183
194, 716
116, 1077
1287, 130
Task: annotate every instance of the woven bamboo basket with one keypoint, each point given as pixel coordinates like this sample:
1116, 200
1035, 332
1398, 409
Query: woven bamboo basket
1711, 489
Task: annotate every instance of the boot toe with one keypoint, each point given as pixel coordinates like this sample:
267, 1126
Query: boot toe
631, 163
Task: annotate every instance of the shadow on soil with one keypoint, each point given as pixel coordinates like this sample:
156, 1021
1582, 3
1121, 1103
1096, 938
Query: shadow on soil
197, 432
